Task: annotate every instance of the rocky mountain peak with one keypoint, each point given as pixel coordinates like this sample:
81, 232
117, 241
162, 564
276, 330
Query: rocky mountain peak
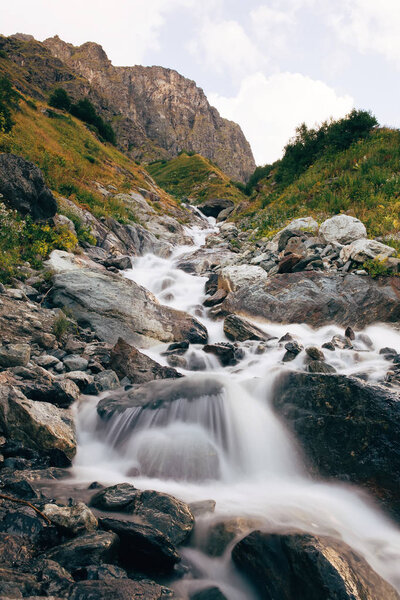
160, 105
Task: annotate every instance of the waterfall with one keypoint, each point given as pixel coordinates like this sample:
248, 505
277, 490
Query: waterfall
214, 435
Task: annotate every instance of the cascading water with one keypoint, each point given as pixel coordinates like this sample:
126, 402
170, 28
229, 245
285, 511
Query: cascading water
213, 435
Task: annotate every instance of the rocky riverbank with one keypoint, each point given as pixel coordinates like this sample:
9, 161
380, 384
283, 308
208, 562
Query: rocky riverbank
81, 328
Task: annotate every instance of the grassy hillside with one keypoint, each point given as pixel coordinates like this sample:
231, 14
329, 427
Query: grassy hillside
363, 180
193, 176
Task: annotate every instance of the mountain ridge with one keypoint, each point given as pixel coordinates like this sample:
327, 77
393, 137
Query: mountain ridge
166, 107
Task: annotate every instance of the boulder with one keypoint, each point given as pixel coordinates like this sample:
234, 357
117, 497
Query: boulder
362, 250
103, 381
23, 188
236, 278
114, 498
74, 519
127, 361
342, 229
61, 392
89, 549
316, 298
142, 546
14, 355
221, 533
316, 568
238, 329
208, 593
74, 362
349, 429
214, 206
37, 424
119, 589
216, 298
116, 307
228, 354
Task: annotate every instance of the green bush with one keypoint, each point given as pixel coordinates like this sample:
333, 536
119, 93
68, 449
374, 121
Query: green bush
60, 99
86, 112
9, 99
377, 268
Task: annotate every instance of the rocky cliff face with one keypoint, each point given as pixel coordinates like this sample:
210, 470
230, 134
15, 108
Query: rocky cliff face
161, 105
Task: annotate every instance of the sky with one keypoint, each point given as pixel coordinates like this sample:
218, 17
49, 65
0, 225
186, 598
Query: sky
269, 65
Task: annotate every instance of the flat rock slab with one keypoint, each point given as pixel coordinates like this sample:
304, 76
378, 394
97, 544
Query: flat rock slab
318, 299
117, 307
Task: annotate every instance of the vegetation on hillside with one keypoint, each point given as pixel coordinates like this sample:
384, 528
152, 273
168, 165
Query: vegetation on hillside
360, 178
85, 111
8, 101
191, 176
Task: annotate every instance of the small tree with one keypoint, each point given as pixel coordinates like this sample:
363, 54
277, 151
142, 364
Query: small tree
8, 100
60, 99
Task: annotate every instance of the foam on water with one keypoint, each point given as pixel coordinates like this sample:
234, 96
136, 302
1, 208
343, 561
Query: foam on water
230, 446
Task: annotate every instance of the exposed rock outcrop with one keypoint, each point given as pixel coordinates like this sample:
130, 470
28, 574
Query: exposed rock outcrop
307, 567
348, 429
161, 105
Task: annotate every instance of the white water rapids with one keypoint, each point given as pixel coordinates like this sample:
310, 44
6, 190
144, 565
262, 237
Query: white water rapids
229, 446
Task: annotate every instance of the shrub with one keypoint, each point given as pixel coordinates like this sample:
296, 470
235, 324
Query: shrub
377, 268
61, 326
85, 111
60, 99
9, 99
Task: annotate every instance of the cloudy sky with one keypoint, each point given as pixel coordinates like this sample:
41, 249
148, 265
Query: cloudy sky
267, 64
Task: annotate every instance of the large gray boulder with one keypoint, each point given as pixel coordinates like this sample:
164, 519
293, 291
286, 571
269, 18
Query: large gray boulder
362, 250
349, 429
314, 298
307, 567
38, 425
342, 229
116, 307
23, 188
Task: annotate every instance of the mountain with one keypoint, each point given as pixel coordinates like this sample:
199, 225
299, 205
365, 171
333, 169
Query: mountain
160, 105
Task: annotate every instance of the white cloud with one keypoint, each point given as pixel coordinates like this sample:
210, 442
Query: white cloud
369, 25
270, 108
224, 45
132, 29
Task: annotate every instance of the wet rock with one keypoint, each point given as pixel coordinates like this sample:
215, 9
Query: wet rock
103, 381
316, 298
142, 546
26, 523
292, 348
23, 188
349, 429
341, 342
74, 519
156, 394
211, 284
114, 498
89, 549
174, 360
15, 550
221, 533
127, 361
15, 584
216, 298
208, 593
14, 355
37, 424
60, 392
320, 366
315, 567
214, 206
239, 330
236, 278
342, 229
55, 580
81, 379
119, 589
74, 362
177, 348
202, 507
388, 353
349, 333
227, 353
315, 353
117, 307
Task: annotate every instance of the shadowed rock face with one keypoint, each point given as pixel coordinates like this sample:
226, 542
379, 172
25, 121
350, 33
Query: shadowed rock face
317, 299
23, 188
348, 429
307, 567
160, 105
